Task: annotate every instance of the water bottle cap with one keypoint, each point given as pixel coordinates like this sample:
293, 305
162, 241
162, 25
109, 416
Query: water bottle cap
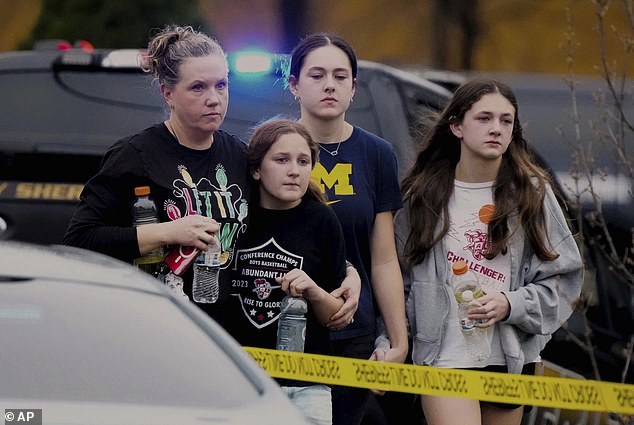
460, 267
467, 295
142, 190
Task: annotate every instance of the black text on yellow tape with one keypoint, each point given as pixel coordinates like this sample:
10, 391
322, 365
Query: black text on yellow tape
546, 391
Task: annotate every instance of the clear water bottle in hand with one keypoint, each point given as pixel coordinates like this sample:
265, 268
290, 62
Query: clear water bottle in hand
205, 286
291, 326
467, 290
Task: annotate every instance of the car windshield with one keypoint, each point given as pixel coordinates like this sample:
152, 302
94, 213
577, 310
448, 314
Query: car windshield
90, 101
69, 114
100, 347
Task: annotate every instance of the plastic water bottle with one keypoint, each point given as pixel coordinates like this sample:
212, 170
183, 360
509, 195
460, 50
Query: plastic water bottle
144, 212
291, 327
467, 290
205, 287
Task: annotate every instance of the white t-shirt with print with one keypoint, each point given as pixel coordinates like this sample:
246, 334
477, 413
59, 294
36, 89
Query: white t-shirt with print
470, 209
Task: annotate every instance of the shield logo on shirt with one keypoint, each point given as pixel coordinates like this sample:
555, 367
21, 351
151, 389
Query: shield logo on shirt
258, 267
263, 288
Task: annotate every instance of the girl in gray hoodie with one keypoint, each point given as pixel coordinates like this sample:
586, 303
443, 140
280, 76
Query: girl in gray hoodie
474, 194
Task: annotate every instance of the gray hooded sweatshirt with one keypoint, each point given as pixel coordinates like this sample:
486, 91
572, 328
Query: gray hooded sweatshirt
541, 296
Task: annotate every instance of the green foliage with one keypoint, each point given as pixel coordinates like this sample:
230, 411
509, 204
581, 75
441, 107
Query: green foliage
111, 24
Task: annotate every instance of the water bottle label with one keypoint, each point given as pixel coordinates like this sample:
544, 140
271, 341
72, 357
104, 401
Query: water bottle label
150, 258
291, 334
467, 324
209, 258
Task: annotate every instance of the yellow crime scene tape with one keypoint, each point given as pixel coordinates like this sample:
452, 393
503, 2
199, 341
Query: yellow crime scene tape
546, 391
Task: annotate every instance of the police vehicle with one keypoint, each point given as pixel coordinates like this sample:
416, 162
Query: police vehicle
62, 109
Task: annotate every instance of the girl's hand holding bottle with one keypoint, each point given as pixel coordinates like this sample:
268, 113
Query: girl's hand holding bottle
494, 307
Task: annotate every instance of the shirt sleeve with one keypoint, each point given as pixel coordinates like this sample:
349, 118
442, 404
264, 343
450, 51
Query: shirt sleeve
102, 220
388, 193
548, 289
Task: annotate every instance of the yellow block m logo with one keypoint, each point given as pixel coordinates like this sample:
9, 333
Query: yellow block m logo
338, 178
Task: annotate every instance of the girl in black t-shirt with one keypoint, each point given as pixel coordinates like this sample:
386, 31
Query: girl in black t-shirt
294, 245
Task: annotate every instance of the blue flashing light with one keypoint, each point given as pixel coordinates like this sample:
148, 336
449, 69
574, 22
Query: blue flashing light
251, 62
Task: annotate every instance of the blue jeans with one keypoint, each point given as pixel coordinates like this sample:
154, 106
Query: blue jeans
314, 401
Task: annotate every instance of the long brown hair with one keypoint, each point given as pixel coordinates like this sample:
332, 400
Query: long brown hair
519, 187
267, 133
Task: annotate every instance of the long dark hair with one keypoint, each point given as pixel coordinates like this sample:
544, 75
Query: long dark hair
519, 187
267, 133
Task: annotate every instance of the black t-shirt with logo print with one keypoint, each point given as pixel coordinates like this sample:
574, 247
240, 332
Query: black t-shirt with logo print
307, 237
213, 182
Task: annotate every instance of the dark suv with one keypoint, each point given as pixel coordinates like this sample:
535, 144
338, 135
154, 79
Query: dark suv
62, 109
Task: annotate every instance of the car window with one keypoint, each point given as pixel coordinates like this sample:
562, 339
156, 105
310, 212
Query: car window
95, 337
66, 113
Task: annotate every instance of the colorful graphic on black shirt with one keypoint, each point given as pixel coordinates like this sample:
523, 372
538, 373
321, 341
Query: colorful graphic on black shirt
222, 201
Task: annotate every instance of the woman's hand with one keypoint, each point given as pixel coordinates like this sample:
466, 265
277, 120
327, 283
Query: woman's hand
385, 353
193, 230
298, 284
350, 291
494, 307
